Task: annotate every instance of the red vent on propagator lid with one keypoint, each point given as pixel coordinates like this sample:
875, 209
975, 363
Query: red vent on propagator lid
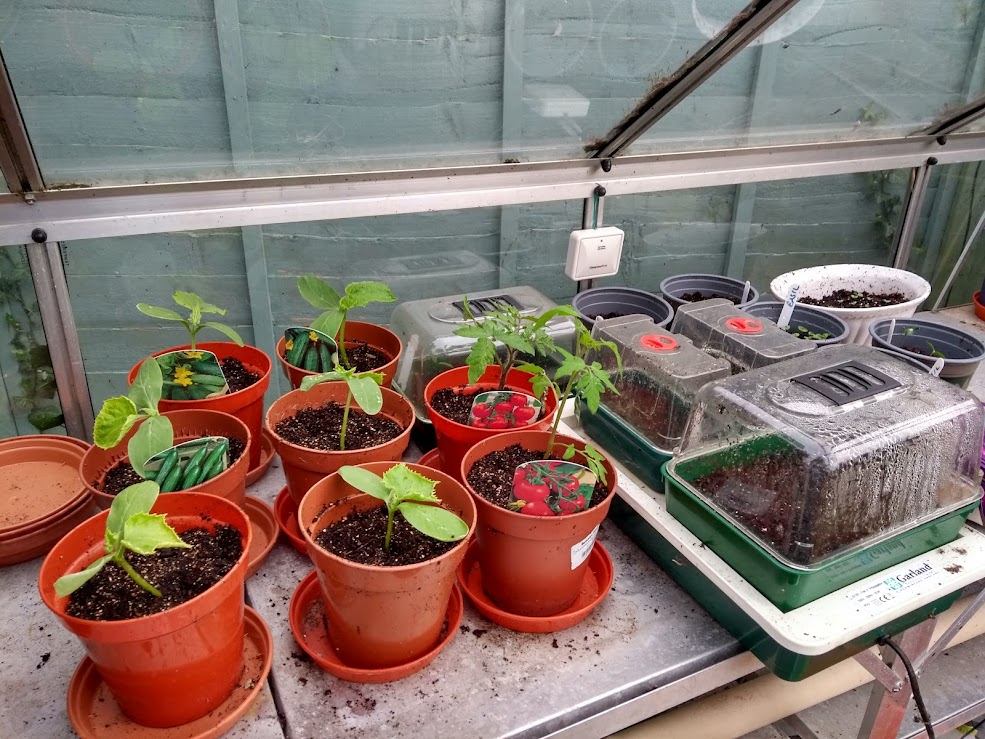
744, 325
658, 342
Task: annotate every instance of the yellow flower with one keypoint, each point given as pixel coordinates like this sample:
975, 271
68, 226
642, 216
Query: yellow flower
289, 344
313, 336
193, 355
182, 376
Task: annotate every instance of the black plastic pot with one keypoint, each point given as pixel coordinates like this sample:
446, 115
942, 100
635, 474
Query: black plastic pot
711, 286
813, 320
609, 302
962, 351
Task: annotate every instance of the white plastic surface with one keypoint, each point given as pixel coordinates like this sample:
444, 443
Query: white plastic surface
594, 252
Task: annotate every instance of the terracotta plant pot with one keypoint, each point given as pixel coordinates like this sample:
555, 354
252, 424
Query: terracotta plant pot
978, 300
172, 667
246, 405
454, 439
356, 333
188, 425
380, 617
303, 467
533, 565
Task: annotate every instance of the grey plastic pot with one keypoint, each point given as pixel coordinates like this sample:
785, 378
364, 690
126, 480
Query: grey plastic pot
717, 286
813, 320
962, 351
624, 301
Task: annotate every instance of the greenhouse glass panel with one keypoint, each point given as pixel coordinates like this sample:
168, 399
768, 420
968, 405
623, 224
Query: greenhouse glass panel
3, 184
834, 70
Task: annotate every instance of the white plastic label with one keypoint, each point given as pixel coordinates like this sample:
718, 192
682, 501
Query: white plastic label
581, 550
882, 595
935, 371
788, 305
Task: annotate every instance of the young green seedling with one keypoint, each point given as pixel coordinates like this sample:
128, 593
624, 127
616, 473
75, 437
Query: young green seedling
336, 307
519, 333
129, 527
194, 322
413, 496
364, 388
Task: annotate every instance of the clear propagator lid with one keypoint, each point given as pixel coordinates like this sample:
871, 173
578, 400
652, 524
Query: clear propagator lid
662, 372
718, 327
832, 452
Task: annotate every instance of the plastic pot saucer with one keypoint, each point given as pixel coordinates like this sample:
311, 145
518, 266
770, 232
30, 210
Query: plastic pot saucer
95, 714
286, 512
45, 440
265, 532
308, 626
597, 581
267, 454
37, 484
35, 543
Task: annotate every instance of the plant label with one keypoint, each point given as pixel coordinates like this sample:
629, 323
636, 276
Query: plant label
191, 375
935, 371
310, 350
189, 463
550, 487
788, 305
504, 409
581, 550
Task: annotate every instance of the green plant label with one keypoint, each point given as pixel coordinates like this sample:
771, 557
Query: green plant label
504, 409
189, 463
191, 375
310, 349
550, 487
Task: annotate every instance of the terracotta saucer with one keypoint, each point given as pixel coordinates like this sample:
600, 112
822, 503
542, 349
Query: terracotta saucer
48, 440
37, 484
598, 579
308, 626
94, 713
35, 543
264, 532
286, 511
266, 457
431, 459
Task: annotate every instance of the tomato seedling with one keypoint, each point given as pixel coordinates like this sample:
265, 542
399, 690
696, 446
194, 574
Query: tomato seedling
412, 494
194, 322
130, 526
363, 387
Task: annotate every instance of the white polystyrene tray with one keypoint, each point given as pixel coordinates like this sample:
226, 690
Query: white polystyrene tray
836, 619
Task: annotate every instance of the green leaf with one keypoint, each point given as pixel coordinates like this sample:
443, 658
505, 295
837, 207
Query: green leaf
360, 294
129, 502
434, 521
318, 293
410, 485
193, 302
365, 481
68, 584
569, 452
115, 418
591, 395
569, 366
164, 314
520, 343
366, 392
309, 381
329, 322
471, 331
146, 389
154, 435
144, 533
482, 355
224, 329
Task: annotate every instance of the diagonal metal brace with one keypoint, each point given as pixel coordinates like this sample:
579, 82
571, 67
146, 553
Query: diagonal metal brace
952, 631
880, 671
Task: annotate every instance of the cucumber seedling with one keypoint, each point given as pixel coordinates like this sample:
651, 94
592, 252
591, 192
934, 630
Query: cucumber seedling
336, 307
363, 387
194, 322
412, 495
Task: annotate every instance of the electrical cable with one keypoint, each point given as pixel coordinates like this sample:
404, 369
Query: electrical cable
917, 696
974, 727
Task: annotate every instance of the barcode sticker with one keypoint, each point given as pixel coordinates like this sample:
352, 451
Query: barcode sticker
883, 594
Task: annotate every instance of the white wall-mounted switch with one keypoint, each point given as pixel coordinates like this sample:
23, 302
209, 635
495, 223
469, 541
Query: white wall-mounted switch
594, 252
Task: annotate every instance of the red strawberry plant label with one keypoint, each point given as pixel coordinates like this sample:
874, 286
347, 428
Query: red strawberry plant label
309, 349
504, 409
191, 375
550, 487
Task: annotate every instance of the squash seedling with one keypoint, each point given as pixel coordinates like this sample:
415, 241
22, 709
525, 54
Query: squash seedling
131, 527
363, 387
336, 307
194, 323
412, 494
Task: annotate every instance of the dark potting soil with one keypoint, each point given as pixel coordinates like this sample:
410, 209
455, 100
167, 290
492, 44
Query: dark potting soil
319, 428
180, 575
924, 350
492, 475
359, 538
649, 411
122, 475
606, 316
805, 333
237, 376
453, 405
365, 358
697, 296
855, 299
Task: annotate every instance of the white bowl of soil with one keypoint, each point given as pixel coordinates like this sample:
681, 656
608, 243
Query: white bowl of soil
858, 294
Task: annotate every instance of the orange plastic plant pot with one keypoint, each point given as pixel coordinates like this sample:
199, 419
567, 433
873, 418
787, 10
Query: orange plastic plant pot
454, 439
356, 333
533, 565
303, 467
172, 667
188, 425
380, 617
246, 405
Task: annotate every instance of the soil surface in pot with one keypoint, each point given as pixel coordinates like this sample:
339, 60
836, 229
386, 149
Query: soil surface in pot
805, 333
606, 316
359, 538
696, 296
237, 376
180, 575
855, 299
648, 410
319, 428
454, 404
122, 475
924, 350
492, 475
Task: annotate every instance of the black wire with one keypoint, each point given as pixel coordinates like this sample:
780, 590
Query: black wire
974, 727
917, 697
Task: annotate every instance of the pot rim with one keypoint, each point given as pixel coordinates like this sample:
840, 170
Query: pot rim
780, 282
957, 333
282, 341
